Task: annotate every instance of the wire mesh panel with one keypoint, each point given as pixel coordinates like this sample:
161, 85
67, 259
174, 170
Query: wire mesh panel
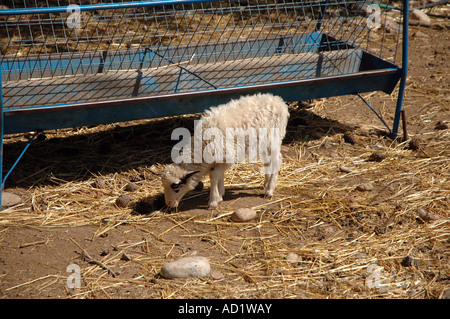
59, 52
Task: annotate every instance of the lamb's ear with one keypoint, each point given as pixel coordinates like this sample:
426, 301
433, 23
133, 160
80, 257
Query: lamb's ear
184, 179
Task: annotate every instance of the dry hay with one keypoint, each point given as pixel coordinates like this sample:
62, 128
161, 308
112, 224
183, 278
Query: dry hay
339, 233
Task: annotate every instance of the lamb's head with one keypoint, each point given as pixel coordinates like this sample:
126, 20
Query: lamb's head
177, 181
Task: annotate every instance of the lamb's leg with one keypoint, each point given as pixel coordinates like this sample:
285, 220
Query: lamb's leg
222, 185
217, 188
269, 184
222, 169
271, 176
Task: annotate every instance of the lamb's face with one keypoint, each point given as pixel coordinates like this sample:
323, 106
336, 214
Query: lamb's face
176, 182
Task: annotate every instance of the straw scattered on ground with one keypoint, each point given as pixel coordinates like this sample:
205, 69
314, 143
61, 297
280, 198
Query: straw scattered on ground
338, 232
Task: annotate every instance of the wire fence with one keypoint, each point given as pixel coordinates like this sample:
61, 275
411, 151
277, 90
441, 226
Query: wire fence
58, 52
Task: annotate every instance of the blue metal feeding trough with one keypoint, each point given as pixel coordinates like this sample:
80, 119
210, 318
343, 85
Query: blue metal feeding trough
67, 65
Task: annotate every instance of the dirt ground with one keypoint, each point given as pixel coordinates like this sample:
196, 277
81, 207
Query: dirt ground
69, 182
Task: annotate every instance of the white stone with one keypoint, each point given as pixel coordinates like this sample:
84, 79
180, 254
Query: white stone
293, 258
243, 215
391, 25
9, 199
345, 169
366, 187
186, 267
216, 275
420, 17
426, 216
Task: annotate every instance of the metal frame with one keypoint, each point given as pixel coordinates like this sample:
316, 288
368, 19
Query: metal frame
60, 71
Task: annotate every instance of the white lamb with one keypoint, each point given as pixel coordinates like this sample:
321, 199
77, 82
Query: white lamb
265, 114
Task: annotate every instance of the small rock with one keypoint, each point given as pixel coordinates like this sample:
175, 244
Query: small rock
391, 26
374, 37
123, 200
216, 275
426, 216
349, 137
293, 258
419, 17
366, 187
408, 261
99, 183
353, 204
131, 187
243, 215
377, 157
345, 169
419, 34
9, 199
441, 125
125, 257
186, 267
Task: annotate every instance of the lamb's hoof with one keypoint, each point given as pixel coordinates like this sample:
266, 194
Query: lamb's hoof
268, 196
212, 206
213, 203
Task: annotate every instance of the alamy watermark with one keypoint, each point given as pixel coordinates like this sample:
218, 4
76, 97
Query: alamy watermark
373, 20
232, 145
373, 280
73, 21
74, 279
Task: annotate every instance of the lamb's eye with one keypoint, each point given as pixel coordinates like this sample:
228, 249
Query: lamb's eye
175, 186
